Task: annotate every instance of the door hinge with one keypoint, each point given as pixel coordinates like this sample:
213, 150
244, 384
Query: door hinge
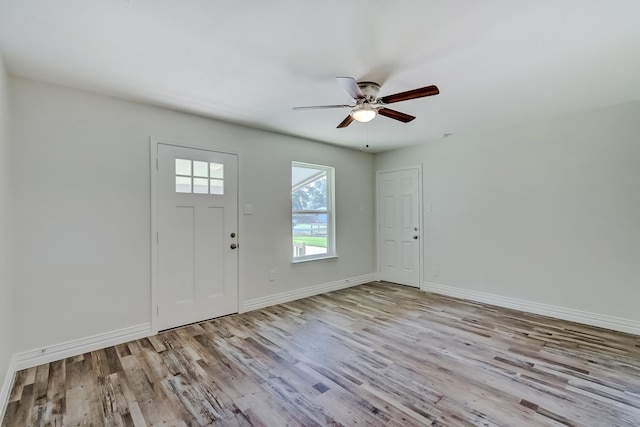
157, 311
157, 237
156, 163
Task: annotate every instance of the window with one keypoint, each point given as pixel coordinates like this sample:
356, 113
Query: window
312, 211
194, 176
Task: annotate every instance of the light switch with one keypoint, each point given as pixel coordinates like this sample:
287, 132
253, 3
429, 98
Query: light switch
248, 209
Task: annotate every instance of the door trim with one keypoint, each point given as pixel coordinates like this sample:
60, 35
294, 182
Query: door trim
155, 265
420, 220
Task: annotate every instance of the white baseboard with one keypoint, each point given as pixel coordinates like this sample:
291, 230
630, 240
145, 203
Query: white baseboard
5, 391
28, 359
256, 303
584, 317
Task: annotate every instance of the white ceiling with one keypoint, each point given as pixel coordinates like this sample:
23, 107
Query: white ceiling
496, 62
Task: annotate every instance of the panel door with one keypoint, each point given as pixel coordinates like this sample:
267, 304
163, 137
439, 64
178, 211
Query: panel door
197, 235
398, 227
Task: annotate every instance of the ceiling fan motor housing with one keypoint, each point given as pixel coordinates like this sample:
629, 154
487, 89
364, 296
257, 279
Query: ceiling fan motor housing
369, 89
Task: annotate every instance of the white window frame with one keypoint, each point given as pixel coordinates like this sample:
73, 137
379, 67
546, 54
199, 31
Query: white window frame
329, 212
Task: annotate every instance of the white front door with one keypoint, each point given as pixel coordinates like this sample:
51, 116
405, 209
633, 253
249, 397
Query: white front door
197, 235
399, 226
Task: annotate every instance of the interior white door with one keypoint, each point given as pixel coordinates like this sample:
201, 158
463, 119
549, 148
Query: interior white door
197, 235
399, 227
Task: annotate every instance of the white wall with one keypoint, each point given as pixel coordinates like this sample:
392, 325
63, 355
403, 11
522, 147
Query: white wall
546, 212
7, 342
82, 205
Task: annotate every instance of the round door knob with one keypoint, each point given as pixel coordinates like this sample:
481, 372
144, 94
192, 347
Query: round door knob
415, 237
234, 246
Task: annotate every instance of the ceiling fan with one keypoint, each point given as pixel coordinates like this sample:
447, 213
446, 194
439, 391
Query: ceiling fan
367, 105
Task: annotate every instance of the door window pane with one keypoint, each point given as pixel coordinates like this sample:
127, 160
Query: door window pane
183, 184
217, 186
183, 167
216, 170
200, 169
200, 185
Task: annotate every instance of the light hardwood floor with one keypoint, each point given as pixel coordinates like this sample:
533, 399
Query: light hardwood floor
376, 354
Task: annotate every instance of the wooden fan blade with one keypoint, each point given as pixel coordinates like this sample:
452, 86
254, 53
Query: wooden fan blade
351, 86
410, 94
396, 115
346, 122
322, 107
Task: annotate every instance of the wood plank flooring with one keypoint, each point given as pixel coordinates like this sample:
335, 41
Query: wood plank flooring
376, 354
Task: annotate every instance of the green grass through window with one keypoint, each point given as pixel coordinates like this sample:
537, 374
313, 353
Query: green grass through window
311, 241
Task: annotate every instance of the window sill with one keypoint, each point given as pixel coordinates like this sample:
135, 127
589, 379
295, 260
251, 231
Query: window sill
322, 258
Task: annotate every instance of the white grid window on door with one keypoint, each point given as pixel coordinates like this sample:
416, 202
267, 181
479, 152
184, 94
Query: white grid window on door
198, 177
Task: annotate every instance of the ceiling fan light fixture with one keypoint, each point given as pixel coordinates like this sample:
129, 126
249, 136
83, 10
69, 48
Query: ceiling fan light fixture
364, 114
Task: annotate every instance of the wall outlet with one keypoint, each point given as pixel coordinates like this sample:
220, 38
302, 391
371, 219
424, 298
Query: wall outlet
435, 272
248, 209
272, 275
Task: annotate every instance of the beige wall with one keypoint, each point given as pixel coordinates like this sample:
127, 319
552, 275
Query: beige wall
7, 342
547, 212
82, 199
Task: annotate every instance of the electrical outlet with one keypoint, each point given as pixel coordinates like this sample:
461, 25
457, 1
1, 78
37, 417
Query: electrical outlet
435, 272
272, 275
